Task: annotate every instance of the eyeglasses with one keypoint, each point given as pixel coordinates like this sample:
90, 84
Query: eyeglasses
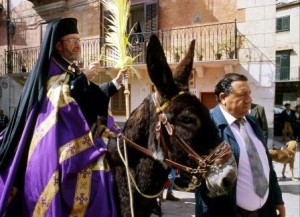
72, 40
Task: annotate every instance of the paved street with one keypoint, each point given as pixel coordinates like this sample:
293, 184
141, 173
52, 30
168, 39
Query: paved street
290, 189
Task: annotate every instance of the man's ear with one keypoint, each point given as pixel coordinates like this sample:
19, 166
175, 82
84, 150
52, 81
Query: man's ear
58, 47
222, 97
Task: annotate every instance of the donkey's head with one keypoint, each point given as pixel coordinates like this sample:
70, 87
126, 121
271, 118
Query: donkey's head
185, 133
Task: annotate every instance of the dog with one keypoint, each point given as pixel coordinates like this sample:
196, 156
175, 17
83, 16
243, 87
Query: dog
286, 156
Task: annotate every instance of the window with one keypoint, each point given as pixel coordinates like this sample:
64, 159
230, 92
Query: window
137, 15
118, 104
282, 65
283, 24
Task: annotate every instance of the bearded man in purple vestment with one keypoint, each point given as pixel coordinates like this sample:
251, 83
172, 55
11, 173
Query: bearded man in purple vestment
51, 164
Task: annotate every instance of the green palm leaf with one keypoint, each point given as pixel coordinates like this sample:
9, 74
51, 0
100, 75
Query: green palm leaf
117, 39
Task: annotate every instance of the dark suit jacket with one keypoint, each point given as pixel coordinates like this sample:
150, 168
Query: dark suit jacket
225, 206
258, 112
285, 117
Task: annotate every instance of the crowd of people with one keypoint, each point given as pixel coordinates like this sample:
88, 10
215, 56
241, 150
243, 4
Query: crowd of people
290, 122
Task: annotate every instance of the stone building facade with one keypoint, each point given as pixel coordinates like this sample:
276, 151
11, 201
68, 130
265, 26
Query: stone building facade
287, 75
175, 21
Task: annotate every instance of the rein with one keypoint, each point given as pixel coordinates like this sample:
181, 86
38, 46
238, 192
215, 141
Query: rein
206, 164
212, 162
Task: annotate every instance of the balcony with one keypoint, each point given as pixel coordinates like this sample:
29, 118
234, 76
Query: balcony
286, 74
215, 44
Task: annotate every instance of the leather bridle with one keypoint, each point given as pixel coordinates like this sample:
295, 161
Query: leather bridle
205, 164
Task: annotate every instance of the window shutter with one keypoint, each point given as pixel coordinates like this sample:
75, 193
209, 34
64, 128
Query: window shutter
286, 23
283, 24
285, 60
277, 75
118, 104
283, 65
278, 24
105, 21
151, 17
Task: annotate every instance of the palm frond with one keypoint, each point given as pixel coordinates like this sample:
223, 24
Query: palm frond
117, 39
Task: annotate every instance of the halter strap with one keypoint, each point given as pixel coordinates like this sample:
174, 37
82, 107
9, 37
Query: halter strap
159, 109
205, 164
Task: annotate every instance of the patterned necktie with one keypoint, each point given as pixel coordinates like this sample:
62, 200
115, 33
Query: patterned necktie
260, 181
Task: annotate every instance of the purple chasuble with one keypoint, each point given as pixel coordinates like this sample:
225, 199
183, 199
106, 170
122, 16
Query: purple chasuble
67, 173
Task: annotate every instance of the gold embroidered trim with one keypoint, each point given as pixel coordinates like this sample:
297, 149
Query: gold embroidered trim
75, 147
83, 187
47, 196
82, 192
101, 164
41, 131
58, 90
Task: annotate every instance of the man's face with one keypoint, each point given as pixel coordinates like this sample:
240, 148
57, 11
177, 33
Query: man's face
69, 47
238, 102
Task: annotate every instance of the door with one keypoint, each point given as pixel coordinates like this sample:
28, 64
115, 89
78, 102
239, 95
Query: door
208, 99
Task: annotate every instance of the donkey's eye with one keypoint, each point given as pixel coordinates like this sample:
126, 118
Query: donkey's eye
186, 120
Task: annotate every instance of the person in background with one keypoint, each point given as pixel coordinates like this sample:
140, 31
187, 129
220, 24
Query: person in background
3, 121
52, 156
287, 116
257, 192
137, 34
169, 185
297, 123
258, 112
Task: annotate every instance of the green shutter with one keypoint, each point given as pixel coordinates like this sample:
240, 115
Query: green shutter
283, 24
286, 23
277, 75
283, 65
278, 24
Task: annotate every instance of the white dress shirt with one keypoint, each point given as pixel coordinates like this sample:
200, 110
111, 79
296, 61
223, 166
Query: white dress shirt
245, 194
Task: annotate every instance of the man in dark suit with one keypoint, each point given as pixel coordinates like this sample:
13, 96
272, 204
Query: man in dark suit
258, 112
288, 118
297, 123
234, 101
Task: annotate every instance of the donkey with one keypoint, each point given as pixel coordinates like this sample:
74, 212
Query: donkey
171, 127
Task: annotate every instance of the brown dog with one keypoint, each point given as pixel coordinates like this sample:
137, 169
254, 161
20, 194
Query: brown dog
286, 156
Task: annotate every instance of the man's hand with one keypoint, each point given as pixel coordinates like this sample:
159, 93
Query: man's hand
281, 210
92, 71
122, 75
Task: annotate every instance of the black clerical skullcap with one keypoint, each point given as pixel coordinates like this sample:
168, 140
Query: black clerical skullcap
65, 26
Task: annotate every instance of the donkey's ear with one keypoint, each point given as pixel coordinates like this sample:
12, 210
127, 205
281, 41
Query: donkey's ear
159, 70
184, 69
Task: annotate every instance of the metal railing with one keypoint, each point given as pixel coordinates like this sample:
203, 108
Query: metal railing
211, 40
282, 73
20, 60
287, 73
2, 64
